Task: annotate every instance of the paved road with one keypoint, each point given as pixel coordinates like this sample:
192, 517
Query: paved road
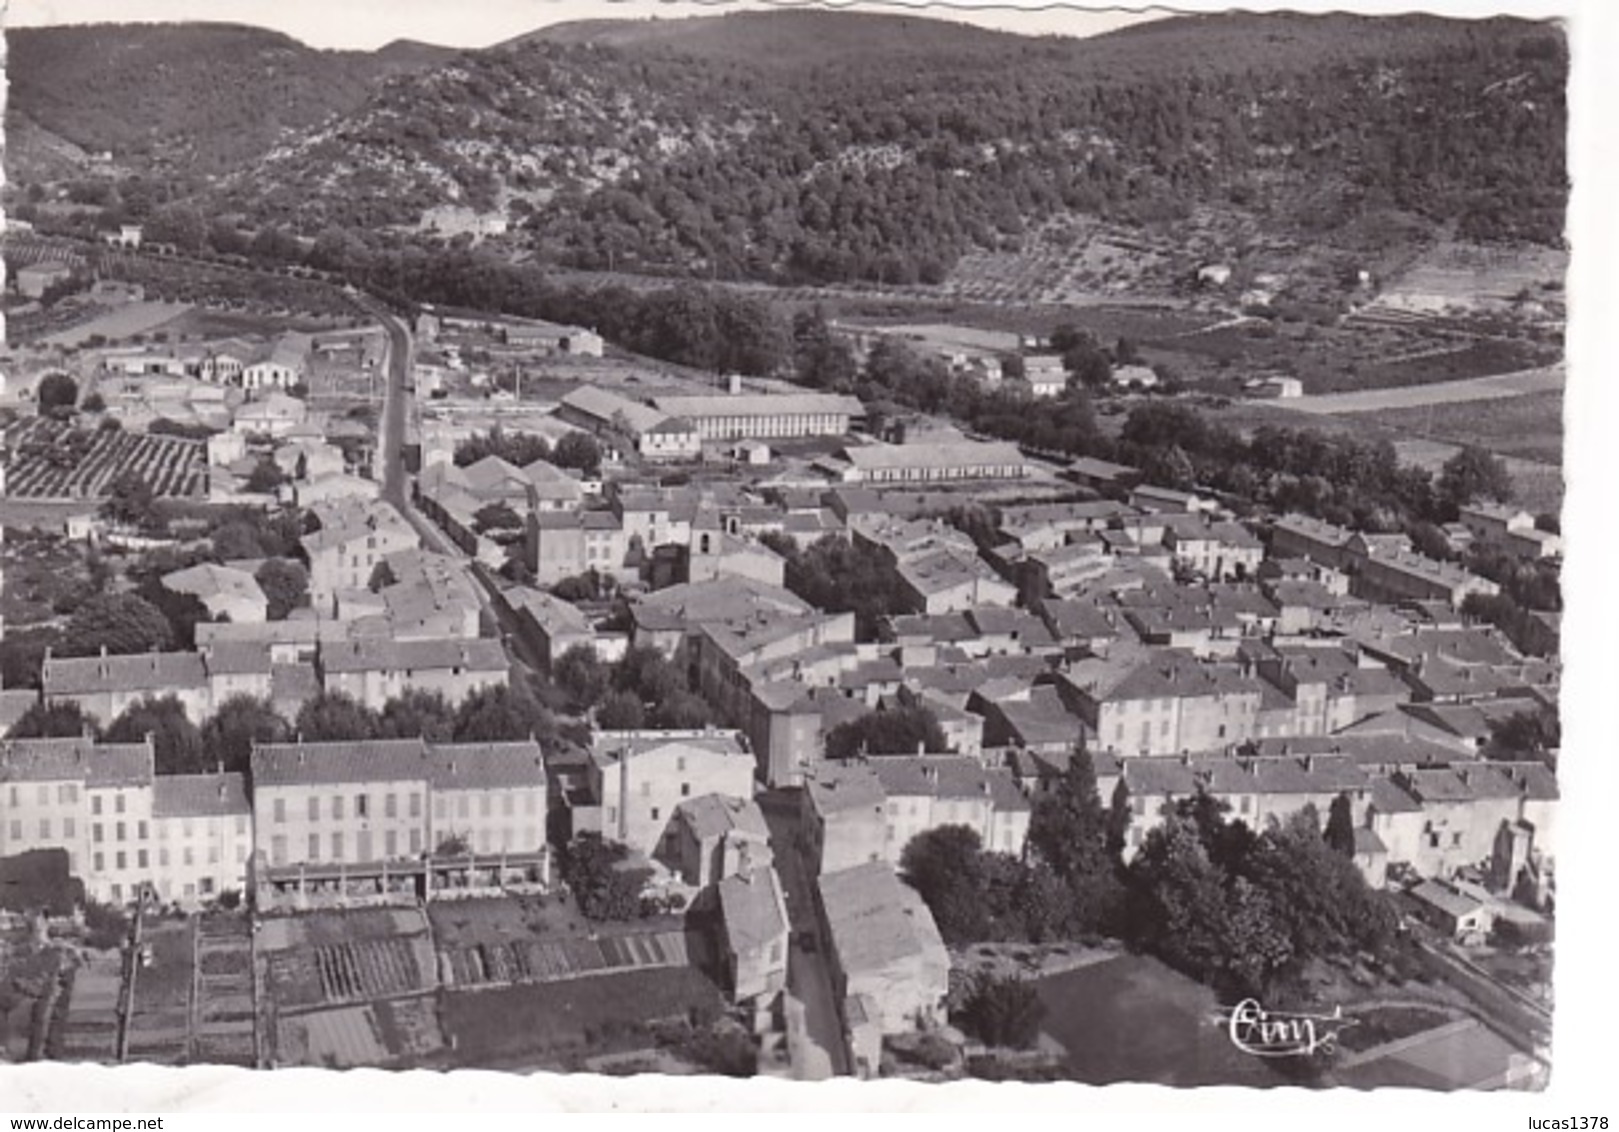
1516, 384
814, 1030
391, 426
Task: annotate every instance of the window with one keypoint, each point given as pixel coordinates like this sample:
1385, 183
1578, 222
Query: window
415, 842
68, 828
241, 853
440, 807
140, 858
101, 862
654, 813
95, 801
42, 795
121, 860
362, 845
509, 803
278, 849
118, 802
646, 788
390, 805
213, 854
416, 805
337, 807
16, 829
390, 842
140, 830
337, 846
362, 806
16, 798
280, 809
463, 806
314, 808
190, 890
241, 825
118, 831
67, 793
44, 829
483, 805
207, 886
117, 894
314, 846
186, 856
163, 858
531, 802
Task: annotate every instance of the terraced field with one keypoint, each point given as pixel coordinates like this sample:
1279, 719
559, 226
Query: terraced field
223, 1024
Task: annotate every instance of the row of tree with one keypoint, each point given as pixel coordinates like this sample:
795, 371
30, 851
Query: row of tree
226, 738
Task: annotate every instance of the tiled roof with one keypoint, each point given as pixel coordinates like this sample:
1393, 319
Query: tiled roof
759, 405
381, 654
752, 908
152, 671
485, 766
946, 776
714, 815
199, 795
875, 920
838, 787
209, 580
75, 759
614, 745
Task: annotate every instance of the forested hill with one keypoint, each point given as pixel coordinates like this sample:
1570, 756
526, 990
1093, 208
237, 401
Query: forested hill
819, 145
188, 97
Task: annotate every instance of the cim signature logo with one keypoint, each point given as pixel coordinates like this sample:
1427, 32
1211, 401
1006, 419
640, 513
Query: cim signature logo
1279, 1033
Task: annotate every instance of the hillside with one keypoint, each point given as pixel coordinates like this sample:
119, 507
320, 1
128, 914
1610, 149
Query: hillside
187, 98
815, 146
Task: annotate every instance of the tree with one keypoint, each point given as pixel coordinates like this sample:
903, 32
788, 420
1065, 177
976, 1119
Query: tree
417, 713
183, 610
1004, 1011
130, 499
1340, 833
93, 403
646, 673
496, 516
594, 870
333, 716
60, 720
942, 864
236, 540
266, 477
118, 622
578, 450
682, 711
498, 713
582, 675
620, 711
1532, 733
285, 584
241, 721
57, 391
176, 743
1474, 474
901, 730
517, 448
1069, 831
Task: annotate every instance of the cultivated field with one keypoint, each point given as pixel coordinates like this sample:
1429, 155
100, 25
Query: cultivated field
1465, 394
1458, 277
116, 323
51, 460
1528, 426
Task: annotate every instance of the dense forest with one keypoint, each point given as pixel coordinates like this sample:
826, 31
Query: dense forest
720, 149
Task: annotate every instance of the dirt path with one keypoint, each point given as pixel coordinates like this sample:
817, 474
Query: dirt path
1549, 378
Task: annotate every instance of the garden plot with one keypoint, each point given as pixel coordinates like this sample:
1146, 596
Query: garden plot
378, 1033
89, 1031
50, 460
1459, 277
160, 1016
223, 1023
333, 958
507, 940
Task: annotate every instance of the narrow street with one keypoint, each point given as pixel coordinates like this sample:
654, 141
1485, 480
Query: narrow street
814, 1030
